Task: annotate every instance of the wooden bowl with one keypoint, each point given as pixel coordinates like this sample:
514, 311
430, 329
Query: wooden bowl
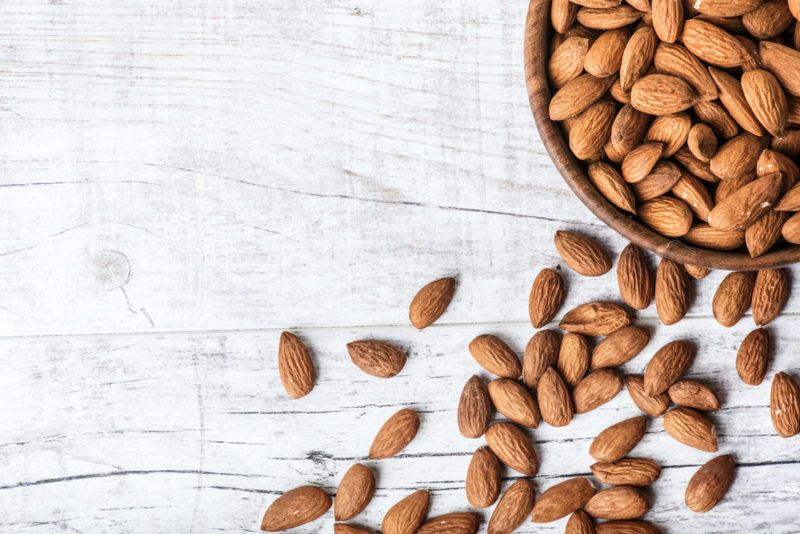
537, 32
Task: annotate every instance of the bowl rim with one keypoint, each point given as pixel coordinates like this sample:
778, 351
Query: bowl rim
537, 29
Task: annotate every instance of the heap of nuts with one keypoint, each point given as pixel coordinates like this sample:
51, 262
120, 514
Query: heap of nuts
687, 114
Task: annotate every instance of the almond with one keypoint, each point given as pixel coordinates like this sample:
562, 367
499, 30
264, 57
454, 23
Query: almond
595, 319
667, 365
784, 63
599, 4
771, 161
713, 45
452, 523
765, 232
672, 131
514, 506
745, 206
675, 60
703, 235
605, 55
640, 161
407, 515
695, 194
540, 353
672, 298
579, 523
637, 56
562, 499
582, 253
623, 502
562, 15
495, 356
752, 357
513, 447
732, 97
295, 366
626, 527
662, 94
566, 61
547, 296
702, 142
766, 98
620, 347
791, 200
619, 94
697, 272
377, 358
701, 169
431, 301
634, 279
514, 401
608, 18
555, 402
716, 116
576, 95
784, 405
710, 483
693, 394
661, 180
768, 20
343, 528
474, 408
770, 292
737, 157
296, 507
627, 472
355, 491
596, 389
652, 405
726, 8
691, 428
611, 185
627, 132
483, 478
791, 229
573, 358
728, 187
667, 19
397, 432
619, 439
666, 215
733, 297
590, 130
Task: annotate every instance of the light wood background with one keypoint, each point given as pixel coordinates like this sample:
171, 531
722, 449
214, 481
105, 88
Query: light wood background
180, 181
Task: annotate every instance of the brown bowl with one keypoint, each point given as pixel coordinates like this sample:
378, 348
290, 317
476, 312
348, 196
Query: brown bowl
537, 31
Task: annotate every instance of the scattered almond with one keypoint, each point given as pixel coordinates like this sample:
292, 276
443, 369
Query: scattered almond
733, 297
555, 401
710, 483
784, 405
627, 472
296, 507
672, 299
431, 301
573, 358
495, 356
514, 401
355, 492
540, 353
514, 506
377, 358
407, 515
596, 389
616, 441
483, 478
452, 523
595, 319
667, 365
547, 295
562, 499
770, 292
582, 254
295, 366
652, 405
397, 432
474, 408
693, 394
622, 502
691, 428
513, 447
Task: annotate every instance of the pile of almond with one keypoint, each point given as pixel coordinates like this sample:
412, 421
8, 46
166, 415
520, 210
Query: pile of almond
563, 372
686, 113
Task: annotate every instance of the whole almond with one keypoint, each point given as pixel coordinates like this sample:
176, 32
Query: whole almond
377, 358
662, 94
344, 528
513, 447
670, 130
640, 161
618, 94
676, 60
737, 157
703, 235
713, 45
611, 185
590, 130
555, 401
431, 301
726, 8
562, 499
566, 61
582, 253
452, 523
791, 229
627, 472
514, 506
595, 319
483, 478
637, 56
596, 389
698, 272
702, 142
667, 365
768, 20
562, 15
671, 292
753, 356
608, 18
701, 169
716, 116
732, 97
652, 405
576, 95
770, 292
355, 491
692, 191
661, 180
745, 206
765, 232
732, 298
514, 401
474, 408
784, 405
626, 527
691, 428
406, 516
729, 187
573, 358
693, 394
622, 502
620, 347
397, 432
540, 353
495, 356
791, 200
784, 63
666, 215
619, 439
766, 98
771, 161
547, 296
605, 55
296, 507
667, 19
634, 278
710, 483
627, 132
579, 523
295, 366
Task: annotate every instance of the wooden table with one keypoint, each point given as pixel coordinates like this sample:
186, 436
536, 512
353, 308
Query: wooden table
181, 181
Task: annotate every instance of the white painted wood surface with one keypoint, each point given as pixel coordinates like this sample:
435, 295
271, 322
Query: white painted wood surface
179, 181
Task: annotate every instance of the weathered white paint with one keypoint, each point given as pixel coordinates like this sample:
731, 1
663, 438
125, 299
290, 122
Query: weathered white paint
179, 181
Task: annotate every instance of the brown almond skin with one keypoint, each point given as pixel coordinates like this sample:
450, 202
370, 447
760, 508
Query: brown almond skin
638, 163
784, 405
652, 405
748, 204
608, 18
791, 229
627, 131
695, 194
697, 272
620, 347
605, 55
566, 61
619, 439
713, 45
576, 95
661, 180
765, 232
634, 278
296, 507
540, 353
783, 62
626, 527
295, 366
452, 523
344, 528
562, 15
573, 358
562, 499
703, 235
691, 428
716, 116
513, 400
770, 292
555, 401
513, 508
693, 394
727, 8
590, 130
407, 515
546, 298
662, 94
474, 408
732, 97
702, 141
355, 492
710, 483
579, 523
698, 168
637, 56
627, 472
668, 216
737, 157
621, 502
667, 365
733, 296
670, 130
767, 100
595, 319
495, 356
752, 357
596, 389
377, 358
397, 432
667, 19
582, 253
611, 185
483, 478
513, 447
672, 299
431, 302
